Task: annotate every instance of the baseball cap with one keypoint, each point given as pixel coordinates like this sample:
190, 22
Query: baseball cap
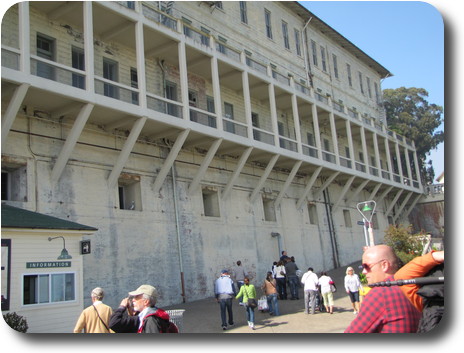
145, 289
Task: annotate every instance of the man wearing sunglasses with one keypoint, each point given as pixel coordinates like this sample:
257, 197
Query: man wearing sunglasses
385, 309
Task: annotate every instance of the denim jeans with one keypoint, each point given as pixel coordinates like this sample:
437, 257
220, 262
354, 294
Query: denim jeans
282, 287
250, 313
293, 282
226, 304
273, 304
310, 300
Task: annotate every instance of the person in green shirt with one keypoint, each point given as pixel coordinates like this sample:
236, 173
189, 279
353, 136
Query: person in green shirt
248, 291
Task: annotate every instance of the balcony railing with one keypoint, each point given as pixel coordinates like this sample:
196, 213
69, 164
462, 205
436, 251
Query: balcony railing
164, 105
160, 17
234, 127
204, 118
263, 136
10, 58
116, 90
54, 71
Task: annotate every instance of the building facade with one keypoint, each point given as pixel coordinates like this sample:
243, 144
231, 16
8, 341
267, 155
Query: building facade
195, 134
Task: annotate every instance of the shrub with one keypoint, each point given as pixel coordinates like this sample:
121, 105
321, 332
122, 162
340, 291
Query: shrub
407, 246
16, 322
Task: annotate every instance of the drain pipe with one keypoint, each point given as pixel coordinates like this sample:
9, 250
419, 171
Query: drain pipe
179, 246
279, 241
328, 210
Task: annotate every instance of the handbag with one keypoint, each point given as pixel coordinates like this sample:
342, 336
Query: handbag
251, 301
333, 289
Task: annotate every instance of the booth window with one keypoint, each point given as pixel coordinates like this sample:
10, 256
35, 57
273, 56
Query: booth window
49, 288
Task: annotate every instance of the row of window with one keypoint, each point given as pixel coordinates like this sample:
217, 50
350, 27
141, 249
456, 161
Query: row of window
324, 67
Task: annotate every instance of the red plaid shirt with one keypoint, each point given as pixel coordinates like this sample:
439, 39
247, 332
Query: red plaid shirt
385, 310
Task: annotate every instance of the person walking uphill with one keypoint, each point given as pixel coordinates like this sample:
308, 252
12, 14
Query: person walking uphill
248, 291
224, 291
95, 318
310, 282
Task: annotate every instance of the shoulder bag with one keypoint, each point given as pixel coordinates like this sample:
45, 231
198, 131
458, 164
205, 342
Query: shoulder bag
251, 301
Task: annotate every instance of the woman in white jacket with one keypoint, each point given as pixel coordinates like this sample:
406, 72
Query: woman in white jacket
352, 285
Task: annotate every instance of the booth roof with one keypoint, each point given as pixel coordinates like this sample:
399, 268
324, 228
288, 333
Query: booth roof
14, 217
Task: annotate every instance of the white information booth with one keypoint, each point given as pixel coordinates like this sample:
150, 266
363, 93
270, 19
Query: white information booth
42, 264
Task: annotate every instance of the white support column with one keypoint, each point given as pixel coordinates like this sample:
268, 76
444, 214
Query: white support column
287, 183
393, 203
383, 194
416, 166
403, 204
364, 148
326, 184
24, 37
125, 152
170, 160
263, 178
308, 187
141, 76
247, 102
408, 165
272, 104
216, 92
204, 166
296, 119
350, 143
410, 208
89, 57
357, 191
13, 107
317, 132
389, 160
333, 130
377, 154
374, 191
183, 73
238, 170
71, 141
398, 161
343, 193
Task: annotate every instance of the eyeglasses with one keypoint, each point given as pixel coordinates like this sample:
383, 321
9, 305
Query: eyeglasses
368, 267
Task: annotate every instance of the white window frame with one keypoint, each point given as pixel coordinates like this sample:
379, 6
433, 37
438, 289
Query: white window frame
50, 289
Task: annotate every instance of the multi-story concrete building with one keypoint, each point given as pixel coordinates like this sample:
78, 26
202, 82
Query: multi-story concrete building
195, 134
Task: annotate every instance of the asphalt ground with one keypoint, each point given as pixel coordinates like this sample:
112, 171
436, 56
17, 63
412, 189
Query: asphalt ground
203, 316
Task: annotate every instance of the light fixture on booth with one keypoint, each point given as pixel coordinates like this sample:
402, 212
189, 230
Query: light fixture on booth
64, 253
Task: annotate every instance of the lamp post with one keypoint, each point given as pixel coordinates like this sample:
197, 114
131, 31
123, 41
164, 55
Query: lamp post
367, 209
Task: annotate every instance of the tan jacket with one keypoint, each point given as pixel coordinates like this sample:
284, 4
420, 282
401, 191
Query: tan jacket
91, 323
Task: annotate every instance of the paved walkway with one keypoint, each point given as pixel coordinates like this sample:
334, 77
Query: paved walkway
203, 316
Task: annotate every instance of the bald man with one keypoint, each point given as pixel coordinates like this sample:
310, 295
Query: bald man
385, 309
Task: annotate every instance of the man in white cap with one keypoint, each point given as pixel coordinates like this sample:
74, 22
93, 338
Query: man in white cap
95, 318
144, 300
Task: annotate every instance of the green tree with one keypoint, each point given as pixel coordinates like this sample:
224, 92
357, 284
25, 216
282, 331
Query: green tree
410, 114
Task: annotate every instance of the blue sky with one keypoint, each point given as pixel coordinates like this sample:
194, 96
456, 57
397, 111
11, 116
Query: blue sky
406, 37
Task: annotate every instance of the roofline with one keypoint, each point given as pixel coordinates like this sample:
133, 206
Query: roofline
307, 15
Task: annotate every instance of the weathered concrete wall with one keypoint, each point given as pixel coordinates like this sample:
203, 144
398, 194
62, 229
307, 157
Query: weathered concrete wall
429, 217
134, 247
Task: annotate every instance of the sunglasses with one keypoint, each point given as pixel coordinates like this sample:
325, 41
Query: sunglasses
368, 267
